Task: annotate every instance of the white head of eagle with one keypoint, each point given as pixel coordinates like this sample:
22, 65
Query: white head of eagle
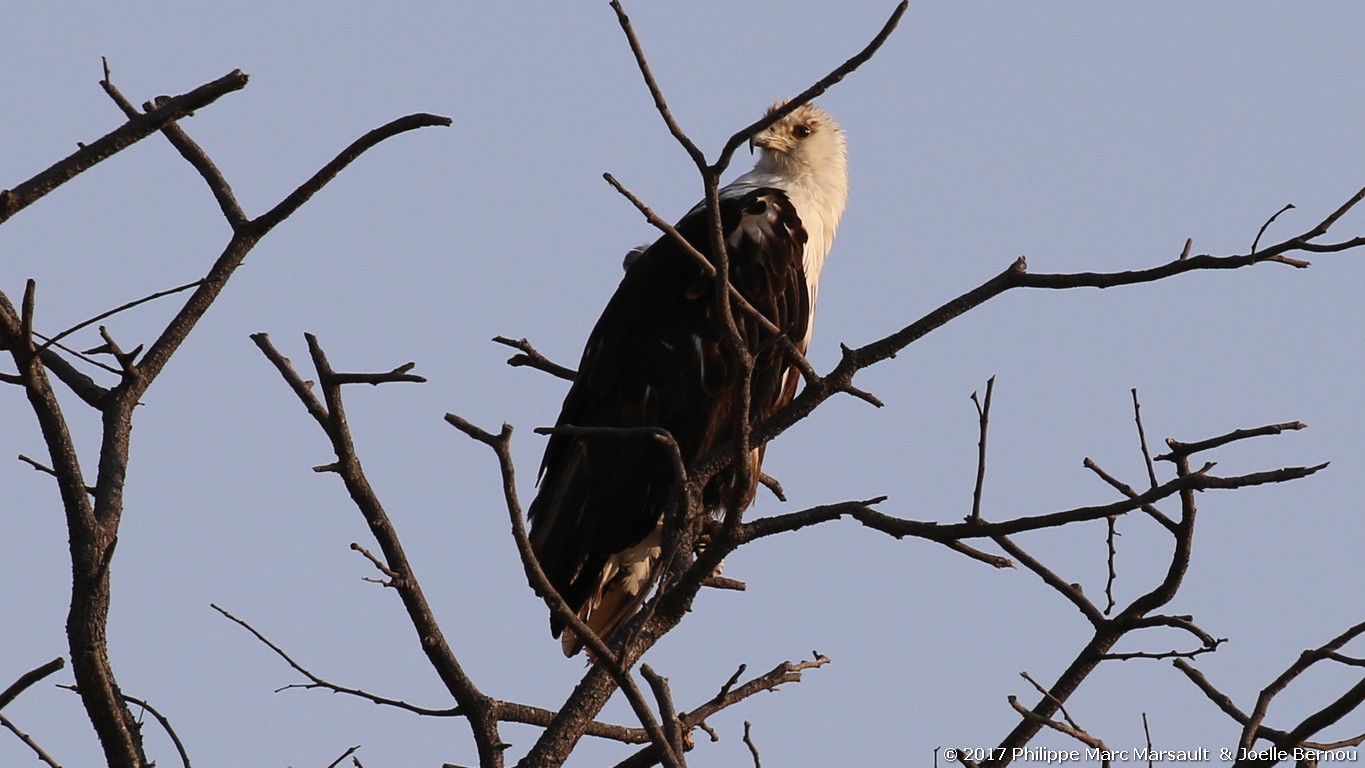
656, 358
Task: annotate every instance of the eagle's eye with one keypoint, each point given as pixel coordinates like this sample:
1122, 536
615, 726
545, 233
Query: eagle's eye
800, 131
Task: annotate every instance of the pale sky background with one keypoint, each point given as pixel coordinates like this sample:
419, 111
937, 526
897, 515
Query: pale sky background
1086, 136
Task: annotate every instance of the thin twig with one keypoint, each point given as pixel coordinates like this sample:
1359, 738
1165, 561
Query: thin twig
1179, 449
51, 340
111, 347
344, 755
532, 358
314, 681
26, 311
302, 389
1147, 731
1266, 225
823, 84
1128, 491
698, 258
399, 374
983, 413
771, 483
725, 583
1072, 592
1110, 540
378, 564
995, 561
1064, 728
1060, 707
1159, 655
28, 740
668, 712
53, 362
749, 742
165, 725
246, 235
27, 679
40, 467
1142, 439
730, 694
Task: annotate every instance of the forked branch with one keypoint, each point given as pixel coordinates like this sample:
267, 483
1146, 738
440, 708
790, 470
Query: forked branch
330, 413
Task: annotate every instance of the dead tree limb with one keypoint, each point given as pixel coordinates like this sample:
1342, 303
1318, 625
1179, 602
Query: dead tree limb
329, 412
27, 680
93, 519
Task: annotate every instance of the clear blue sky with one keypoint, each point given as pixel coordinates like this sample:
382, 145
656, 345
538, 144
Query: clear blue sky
1086, 136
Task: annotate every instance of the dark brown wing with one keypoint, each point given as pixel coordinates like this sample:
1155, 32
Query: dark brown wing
655, 358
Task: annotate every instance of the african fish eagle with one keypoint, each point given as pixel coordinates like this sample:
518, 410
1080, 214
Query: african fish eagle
656, 358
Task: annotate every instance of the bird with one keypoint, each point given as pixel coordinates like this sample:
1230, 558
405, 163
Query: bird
657, 358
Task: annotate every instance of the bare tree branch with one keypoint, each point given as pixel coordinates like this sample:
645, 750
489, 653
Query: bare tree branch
1016, 276
43, 468
530, 357
1072, 592
983, 412
27, 679
399, 374
29, 742
193, 154
1225, 703
753, 750
863, 512
506, 711
815, 91
1064, 728
93, 523
1189, 449
245, 237
1112, 577
1137, 614
729, 694
344, 755
165, 725
14, 200
772, 484
678, 740
475, 705
1128, 491
1060, 706
590, 696
1142, 439
1266, 225
1318, 720
51, 340
314, 681
94, 526
268, 220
